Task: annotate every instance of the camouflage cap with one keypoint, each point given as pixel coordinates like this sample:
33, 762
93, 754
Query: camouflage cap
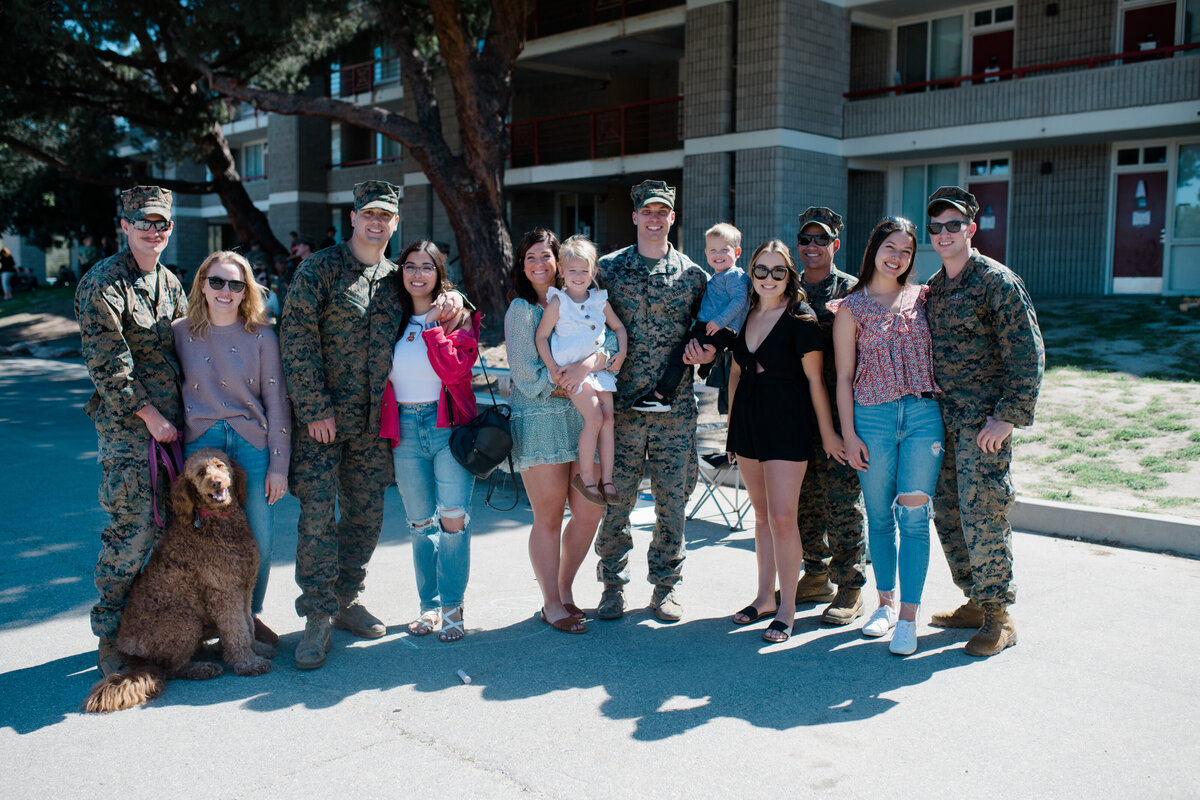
376, 194
141, 201
827, 218
653, 192
956, 197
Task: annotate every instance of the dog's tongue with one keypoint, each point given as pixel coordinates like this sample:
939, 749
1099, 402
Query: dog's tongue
221, 496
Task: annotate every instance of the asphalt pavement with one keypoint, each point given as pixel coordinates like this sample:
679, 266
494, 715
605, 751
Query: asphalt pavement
1098, 699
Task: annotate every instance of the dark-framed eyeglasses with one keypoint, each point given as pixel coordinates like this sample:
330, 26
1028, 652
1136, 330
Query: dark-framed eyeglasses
953, 226
217, 284
762, 272
419, 269
159, 225
819, 239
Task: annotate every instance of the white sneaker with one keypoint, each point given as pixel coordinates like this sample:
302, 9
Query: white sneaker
880, 622
904, 638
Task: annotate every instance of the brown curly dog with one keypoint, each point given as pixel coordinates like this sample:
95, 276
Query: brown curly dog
196, 585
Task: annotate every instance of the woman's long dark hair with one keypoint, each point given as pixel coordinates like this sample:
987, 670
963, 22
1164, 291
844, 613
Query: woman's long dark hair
792, 290
443, 284
883, 230
521, 287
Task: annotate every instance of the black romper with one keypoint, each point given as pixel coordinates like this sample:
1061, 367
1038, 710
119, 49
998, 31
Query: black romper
771, 416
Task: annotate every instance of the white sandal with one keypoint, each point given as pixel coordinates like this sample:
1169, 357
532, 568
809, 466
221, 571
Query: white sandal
424, 624
449, 626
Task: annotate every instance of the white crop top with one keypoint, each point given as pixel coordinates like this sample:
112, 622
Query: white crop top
412, 376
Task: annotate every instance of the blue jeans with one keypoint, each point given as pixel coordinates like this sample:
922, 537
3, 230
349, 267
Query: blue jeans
261, 515
905, 440
432, 485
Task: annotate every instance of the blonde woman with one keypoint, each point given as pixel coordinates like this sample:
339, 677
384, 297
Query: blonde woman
235, 396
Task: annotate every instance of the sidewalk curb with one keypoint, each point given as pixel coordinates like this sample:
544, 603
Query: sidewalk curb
1108, 526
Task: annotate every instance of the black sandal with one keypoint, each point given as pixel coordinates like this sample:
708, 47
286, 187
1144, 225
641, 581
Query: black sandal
753, 615
778, 627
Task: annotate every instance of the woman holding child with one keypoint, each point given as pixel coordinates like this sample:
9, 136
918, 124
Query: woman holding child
777, 369
546, 431
891, 419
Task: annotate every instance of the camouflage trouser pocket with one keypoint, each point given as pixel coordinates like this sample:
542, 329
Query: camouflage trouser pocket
125, 487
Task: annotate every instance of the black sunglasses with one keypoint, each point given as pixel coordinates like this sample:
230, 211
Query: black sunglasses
159, 225
761, 272
820, 239
217, 284
954, 226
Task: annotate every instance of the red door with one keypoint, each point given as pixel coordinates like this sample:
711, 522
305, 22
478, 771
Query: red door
1148, 28
1140, 226
992, 52
991, 223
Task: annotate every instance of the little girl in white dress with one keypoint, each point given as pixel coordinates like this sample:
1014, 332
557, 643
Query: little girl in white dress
572, 327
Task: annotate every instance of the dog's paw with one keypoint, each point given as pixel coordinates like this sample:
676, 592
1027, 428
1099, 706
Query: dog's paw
198, 671
263, 649
252, 667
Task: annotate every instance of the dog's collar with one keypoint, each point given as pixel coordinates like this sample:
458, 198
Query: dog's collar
204, 512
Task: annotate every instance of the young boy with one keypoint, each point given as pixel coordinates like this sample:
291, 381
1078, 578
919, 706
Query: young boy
722, 311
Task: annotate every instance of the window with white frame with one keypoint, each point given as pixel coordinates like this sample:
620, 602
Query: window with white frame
1187, 192
973, 41
254, 161
918, 181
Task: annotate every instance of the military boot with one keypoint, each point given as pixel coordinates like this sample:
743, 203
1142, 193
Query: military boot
968, 615
846, 607
666, 604
997, 632
612, 602
317, 639
353, 616
815, 587
108, 659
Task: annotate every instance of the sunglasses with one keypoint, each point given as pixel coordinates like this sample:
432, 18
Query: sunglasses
954, 226
819, 239
217, 284
762, 273
159, 225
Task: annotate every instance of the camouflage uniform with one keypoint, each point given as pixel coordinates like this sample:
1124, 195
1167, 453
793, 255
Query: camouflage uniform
657, 306
988, 358
125, 318
831, 511
331, 323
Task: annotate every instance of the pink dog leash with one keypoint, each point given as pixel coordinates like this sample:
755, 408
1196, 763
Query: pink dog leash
170, 457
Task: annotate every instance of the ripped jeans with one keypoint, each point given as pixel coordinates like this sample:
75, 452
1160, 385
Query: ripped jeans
905, 440
434, 486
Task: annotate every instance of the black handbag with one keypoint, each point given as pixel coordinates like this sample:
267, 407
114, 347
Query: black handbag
483, 443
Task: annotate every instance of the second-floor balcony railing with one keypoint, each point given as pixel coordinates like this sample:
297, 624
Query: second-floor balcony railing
364, 162
646, 127
1020, 72
555, 16
367, 76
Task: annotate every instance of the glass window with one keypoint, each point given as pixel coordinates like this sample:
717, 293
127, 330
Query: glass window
1004, 14
1000, 166
1187, 193
335, 144
387, 66
1154, 155
920, 181
254, 161
911, 56
386, 148
1191, 24
983, 18
335, 78
979, 167
1127, 157
946, 50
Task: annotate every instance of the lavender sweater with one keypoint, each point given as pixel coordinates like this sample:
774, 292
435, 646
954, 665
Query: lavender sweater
236, 376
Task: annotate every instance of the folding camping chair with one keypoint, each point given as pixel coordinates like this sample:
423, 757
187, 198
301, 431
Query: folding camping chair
715, 468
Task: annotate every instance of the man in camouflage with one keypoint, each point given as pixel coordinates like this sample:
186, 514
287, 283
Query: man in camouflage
988, 359
656, 291
338, 459
125, 305
830, 513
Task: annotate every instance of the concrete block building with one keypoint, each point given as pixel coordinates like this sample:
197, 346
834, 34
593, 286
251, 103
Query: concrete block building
1075, 122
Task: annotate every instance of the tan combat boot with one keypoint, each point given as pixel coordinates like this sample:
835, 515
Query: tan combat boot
353, 616
815, 587
846, 607
997, 632
968, 615
315, 644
